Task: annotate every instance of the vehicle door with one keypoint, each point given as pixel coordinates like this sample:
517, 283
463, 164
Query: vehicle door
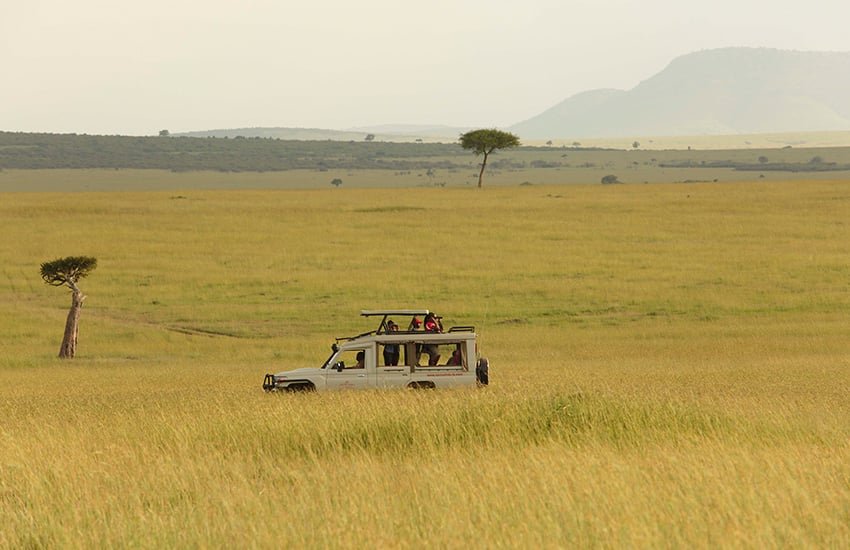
352, 369
392, 371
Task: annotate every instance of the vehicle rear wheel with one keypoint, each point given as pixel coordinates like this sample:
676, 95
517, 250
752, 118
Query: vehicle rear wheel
421, 386
482, 371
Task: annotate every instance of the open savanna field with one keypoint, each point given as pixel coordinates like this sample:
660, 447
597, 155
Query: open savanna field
670, 367
62, 162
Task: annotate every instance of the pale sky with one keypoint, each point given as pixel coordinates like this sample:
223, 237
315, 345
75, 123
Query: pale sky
136, 67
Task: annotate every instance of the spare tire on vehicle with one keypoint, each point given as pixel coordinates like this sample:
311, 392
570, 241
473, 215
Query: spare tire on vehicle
482, 371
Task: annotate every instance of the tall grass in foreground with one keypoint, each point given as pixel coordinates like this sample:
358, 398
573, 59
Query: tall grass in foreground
142, 464
670, 366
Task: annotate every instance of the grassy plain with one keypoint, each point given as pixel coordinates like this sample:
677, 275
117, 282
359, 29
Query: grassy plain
723, 142
670, 368
29, 162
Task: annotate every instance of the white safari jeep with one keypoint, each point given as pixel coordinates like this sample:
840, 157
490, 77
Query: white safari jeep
394, 356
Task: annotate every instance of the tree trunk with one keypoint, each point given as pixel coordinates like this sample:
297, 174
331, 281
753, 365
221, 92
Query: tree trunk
69, 341
481, 173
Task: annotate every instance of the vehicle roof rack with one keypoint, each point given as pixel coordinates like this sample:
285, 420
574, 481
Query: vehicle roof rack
347, 338
373, 312
386, 313
462, 328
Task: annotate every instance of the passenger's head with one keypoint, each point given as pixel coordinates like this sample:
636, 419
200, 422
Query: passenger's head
391, 325
361, 355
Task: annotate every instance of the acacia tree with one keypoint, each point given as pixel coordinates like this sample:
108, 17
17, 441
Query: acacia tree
67, 272
484, 142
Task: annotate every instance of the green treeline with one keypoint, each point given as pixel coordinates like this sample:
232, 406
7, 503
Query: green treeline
816, 164
28, 151
40, 151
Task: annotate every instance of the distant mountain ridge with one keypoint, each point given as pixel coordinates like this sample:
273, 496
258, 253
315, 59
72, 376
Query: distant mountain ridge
413, 130
712, 92
306, 134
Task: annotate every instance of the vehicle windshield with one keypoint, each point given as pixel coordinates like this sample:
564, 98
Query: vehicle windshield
334, 349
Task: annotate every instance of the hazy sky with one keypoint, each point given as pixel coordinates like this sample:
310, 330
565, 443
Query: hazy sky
138, 66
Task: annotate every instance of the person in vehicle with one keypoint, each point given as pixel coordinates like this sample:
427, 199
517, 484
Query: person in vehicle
361, 360
432, 323
456, 359
391, 351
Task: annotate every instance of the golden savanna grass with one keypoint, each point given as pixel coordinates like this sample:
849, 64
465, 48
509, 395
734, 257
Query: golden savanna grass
670, 368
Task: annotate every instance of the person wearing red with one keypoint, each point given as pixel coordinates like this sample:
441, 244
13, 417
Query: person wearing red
432, 323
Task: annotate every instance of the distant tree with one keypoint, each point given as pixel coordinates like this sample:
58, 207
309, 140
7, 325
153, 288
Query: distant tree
816, 160
763, 159
549, 143
431, 173
369, 137
336, 182
609, 179
67, 272
164, 133
484, 142
576, 144
635, 144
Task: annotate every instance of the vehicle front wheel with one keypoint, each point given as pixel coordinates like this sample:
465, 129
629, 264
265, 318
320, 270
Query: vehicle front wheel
305, 386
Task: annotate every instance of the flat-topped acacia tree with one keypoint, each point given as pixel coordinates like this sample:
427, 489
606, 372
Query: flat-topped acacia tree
67, 272
484, 142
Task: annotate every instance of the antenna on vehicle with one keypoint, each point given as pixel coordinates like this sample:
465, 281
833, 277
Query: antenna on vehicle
484, 321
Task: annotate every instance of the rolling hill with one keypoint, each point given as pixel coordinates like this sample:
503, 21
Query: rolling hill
399, 133
712, 92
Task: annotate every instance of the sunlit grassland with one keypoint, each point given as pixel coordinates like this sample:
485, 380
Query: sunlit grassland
737, 141
670, 368
553, 165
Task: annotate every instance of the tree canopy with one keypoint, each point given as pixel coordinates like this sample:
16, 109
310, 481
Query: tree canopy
67, 271
485, 141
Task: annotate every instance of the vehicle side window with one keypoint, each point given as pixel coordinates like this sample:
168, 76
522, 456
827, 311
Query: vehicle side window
352, 359
453, 354
391, 355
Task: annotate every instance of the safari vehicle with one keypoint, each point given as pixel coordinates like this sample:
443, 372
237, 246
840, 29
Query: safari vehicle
394, 356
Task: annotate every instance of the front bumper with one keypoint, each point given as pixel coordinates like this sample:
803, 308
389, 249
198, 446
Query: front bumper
270, 383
